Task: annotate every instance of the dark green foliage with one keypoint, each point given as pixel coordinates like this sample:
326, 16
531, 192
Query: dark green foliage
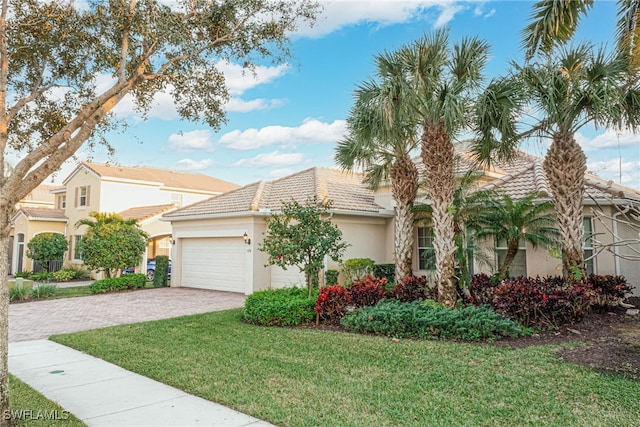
367, 291
303, 235
413, 288
128, 281
160, 278
356, 268
386, 271
23, 274
279, 307
42, 276
428, 319
47, 247
19, 293
111, 243
331, 277
332, 303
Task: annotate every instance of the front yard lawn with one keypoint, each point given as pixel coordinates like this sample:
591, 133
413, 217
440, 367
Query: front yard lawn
305, 377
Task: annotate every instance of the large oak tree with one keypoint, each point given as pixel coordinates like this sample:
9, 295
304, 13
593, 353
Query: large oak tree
52, 54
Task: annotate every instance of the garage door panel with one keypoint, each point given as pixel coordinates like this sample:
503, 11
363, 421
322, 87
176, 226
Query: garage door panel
214, 263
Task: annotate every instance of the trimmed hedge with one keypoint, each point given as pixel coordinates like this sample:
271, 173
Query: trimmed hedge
279, 307
428, 319
128, 281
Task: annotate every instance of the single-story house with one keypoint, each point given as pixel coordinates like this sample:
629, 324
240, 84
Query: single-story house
209, 250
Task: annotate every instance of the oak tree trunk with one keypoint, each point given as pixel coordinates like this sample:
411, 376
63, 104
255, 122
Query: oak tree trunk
5, 228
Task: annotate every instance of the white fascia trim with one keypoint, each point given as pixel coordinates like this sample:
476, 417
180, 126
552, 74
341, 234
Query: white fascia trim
131, 181
213, 216
191, 190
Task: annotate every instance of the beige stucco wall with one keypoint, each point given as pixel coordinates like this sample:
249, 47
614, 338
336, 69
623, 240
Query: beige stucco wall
30, 228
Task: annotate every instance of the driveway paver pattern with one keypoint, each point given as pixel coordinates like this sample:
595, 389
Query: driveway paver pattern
40, 319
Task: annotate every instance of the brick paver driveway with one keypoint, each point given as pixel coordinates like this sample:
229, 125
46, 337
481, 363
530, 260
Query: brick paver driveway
38, 320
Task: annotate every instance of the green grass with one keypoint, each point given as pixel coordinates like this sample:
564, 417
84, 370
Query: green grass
305, 377
35, 408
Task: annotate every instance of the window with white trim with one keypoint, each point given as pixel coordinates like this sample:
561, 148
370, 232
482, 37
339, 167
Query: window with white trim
77, 253
426, 253
589, 264
518, 266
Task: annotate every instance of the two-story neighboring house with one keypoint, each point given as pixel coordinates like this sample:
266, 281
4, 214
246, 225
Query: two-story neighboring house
138, 192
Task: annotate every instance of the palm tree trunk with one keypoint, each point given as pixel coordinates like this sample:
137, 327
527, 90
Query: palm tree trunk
565, 165
438, 159
512, 251
404, 188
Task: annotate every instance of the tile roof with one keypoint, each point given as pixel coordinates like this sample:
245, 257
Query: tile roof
42, 213
344, 189
166, 177
532, 178
140, 213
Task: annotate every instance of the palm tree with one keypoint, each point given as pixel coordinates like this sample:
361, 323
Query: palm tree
566, 90
554, 22
380, 142
442, 80
515, 220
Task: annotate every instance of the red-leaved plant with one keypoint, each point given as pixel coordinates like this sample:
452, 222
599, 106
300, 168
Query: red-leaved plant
332, 303
367, 291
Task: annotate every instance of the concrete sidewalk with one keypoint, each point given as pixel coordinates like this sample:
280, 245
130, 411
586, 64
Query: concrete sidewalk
103, 394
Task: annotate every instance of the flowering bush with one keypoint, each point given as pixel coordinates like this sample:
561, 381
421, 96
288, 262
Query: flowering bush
413, 288
367, 291
332, 303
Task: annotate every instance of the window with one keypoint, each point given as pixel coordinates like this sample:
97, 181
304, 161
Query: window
176, 199
77, 254
62, 202
588, 245
82, 196
518, 266
426, 254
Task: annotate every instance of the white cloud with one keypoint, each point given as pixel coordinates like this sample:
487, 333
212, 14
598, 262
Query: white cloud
195, 140
279, 173
614, 169
194, 165
311, 131
342, 13
608, 139
273, 159
239, 79
237, 105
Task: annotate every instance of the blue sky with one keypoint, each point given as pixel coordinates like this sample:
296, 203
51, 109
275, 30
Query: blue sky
290, 116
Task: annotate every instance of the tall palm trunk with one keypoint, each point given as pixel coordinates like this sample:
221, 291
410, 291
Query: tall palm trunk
512, 251
565, 166
404, 188
438, 159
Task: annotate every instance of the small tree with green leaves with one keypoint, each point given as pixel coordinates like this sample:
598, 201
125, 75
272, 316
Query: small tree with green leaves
302, 235
47, 247
111, 243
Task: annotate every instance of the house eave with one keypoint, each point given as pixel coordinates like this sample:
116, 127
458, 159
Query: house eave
383, 213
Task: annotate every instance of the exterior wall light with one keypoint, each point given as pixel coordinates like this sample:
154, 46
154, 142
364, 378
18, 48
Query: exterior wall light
246, 238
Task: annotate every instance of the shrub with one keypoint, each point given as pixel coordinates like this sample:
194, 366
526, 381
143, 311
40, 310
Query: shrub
279, 307
23, 274
44, 291
128, 281
356, 268
413, 288
19, 293
367, 291
331, 277
162, 271
79, 273
543, 303
481, 289
332, 303
42, 276
386, 271
609, 290
63, 275
428, 319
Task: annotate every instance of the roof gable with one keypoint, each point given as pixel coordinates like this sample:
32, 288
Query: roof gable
344, 189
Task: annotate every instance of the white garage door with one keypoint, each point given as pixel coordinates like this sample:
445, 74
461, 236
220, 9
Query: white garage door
288, 278
217, 263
